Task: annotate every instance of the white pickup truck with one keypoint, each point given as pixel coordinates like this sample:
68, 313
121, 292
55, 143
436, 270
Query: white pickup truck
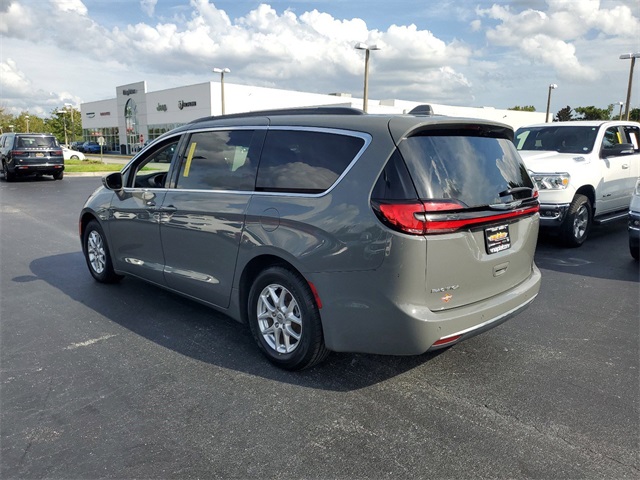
585, 172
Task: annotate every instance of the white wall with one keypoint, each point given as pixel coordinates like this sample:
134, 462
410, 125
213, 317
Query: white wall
202, 100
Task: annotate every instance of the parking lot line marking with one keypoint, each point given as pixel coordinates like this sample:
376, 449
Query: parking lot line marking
73, 346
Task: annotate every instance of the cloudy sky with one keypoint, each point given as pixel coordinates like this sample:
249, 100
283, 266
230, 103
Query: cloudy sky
462, 52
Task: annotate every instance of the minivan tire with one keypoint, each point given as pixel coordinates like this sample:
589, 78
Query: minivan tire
578, 222
284, 319
96, 253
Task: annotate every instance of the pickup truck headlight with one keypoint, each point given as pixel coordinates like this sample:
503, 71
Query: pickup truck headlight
551, 181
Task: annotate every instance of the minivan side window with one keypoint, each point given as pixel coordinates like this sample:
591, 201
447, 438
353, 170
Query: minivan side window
301, 161
152, 171
219, 160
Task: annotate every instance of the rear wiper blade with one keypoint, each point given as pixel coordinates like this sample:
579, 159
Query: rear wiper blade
511, 191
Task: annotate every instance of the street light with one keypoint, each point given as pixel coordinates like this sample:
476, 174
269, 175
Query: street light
551, 87
26, 117
367, 49
64, 122
632, 56
73, 134
620, 103
221, 71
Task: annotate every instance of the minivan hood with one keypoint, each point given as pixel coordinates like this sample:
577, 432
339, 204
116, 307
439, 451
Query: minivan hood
551, 161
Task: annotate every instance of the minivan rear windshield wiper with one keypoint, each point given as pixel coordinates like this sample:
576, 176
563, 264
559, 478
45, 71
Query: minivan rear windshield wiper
511, 191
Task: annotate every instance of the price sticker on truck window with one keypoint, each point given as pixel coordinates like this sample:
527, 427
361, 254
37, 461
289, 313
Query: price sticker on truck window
497, 238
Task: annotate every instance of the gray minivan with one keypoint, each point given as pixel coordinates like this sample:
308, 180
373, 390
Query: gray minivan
326, 229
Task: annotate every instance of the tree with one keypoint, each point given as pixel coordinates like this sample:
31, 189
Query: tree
528, 108
6, 119
564, 114
594, 113
64, 124
634, 114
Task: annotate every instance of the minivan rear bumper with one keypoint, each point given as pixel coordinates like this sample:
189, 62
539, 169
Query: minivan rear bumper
379, 326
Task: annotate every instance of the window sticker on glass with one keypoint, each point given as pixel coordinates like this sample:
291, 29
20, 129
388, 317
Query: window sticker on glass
192, 149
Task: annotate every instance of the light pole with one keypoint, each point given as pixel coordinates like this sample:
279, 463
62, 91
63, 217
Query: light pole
632, 56
551, 87
367, 49
70, 107
64, 123
26, 117
620, 103
221, 71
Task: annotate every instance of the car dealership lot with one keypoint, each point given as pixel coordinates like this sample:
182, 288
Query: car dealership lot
130, 381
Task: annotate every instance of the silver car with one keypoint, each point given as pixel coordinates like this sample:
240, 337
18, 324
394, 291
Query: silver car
326, 229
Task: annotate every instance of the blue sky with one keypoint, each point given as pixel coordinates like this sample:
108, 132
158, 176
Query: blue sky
468, 53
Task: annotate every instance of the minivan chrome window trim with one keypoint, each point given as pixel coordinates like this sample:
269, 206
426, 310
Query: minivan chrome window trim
350, 133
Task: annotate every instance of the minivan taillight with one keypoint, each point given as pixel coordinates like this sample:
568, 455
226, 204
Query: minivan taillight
433, 217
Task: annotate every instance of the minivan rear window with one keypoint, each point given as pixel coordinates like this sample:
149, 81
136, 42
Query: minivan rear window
473, 170
302, 161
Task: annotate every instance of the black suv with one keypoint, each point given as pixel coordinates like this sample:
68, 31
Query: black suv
29, 153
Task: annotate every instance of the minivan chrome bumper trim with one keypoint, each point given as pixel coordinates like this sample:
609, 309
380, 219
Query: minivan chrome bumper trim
483, 327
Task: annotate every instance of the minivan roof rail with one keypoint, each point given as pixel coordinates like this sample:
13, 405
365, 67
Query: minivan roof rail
288, 111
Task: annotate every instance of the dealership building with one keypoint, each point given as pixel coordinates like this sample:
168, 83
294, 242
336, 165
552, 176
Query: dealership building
135, 115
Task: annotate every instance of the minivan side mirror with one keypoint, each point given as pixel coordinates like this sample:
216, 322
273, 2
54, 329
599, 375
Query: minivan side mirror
113, 181
617, 150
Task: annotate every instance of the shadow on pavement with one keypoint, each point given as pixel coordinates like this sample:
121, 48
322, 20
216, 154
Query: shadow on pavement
201, 333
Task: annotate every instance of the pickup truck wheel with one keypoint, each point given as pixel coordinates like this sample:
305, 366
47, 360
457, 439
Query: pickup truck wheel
58, 175
578, 222
634, 249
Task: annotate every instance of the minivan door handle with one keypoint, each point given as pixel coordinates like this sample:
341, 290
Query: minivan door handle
168, 209
625, 166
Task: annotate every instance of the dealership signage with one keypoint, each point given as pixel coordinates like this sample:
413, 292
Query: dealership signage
129, 91
105, 114
182, 104
162, 107
91, 114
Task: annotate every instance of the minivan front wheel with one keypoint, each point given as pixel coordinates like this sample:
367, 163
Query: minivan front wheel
96, 253
284, 319
578, 222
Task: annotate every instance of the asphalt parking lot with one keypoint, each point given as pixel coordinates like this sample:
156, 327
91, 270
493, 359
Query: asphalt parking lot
129, 381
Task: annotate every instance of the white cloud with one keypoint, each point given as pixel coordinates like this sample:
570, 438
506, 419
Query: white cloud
72, 6
549, 38
20, 92
314, 51
148, 6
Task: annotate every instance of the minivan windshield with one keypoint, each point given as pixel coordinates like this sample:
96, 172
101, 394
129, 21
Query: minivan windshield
475, 171
569, 139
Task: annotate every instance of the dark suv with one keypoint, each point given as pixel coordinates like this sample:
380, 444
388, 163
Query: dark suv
328, 229
29, 153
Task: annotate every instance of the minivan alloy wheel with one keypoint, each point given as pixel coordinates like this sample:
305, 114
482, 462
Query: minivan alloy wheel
96, 252
279, 318
284, 319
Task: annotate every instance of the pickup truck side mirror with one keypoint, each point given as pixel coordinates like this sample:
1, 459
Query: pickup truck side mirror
617, 150
113, 181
